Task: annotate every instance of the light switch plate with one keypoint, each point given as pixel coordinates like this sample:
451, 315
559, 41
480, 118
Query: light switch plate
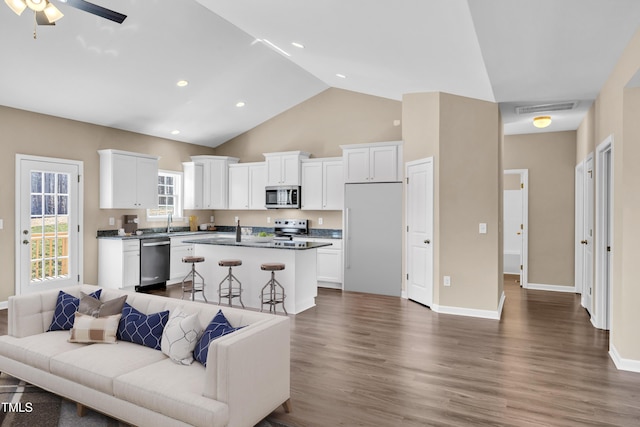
483, 228
447, 281
1, 224
320, 221
112, 221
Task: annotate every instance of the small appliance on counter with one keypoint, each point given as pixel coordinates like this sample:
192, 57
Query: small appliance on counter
287, 229
130, 224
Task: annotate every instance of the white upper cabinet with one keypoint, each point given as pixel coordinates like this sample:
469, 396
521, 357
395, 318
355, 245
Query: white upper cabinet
246, 185
215, 180
284, 168
332, 185
322, 184
193, 174
376, 162
128, 180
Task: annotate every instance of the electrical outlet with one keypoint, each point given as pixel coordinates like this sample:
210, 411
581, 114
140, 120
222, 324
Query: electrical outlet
211, 219
1, 224
483, 228
112, 221
320, 221
235, 218
268, 220
447, 280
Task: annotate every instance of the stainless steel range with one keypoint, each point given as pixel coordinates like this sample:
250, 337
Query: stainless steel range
287, 229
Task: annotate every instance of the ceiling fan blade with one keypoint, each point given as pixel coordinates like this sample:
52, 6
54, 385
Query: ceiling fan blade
42, 19
96, 10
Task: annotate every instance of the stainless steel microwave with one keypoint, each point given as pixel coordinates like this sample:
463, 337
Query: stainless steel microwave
282, 197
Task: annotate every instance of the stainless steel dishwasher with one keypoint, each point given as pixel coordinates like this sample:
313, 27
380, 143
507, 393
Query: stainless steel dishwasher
155, 255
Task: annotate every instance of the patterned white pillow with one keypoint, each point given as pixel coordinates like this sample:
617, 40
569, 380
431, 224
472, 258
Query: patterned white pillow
180, 337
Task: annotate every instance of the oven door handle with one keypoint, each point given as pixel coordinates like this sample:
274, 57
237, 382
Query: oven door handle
156, 244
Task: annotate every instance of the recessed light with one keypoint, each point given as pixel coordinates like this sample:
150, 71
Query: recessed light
342, 76
175, 132
298, 45
240, 104
182, 83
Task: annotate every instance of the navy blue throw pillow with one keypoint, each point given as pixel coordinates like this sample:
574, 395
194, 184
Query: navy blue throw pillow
65, 312
140, 328
219, 326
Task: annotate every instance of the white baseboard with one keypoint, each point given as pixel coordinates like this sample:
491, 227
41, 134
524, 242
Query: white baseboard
404, 294
554, 288
4, 305
623, 364
471, 312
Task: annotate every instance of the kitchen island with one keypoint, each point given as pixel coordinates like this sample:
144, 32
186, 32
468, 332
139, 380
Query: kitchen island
298, 278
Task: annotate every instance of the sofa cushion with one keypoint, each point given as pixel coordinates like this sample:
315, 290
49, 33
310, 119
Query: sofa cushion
65, 311
180, 337
96, 366
96, 308
218, 327
89, 329
140, 328
172, 390
37, 350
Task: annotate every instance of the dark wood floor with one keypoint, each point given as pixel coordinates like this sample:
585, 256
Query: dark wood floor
368, 360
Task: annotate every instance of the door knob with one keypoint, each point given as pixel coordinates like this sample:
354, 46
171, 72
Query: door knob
25, 242
584, 242
518, 233
427, 241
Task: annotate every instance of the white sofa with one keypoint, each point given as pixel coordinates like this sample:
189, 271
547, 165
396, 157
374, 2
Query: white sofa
246, 377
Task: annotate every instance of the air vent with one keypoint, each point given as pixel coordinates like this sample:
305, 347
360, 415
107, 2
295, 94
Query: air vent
532, 109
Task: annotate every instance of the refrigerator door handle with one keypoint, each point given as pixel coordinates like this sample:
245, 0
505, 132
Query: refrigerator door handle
347, 258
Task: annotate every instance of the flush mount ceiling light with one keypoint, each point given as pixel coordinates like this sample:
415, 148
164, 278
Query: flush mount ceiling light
47, 14
175, 132
240, 104
342, 76
298, 45
182, 83
542, 121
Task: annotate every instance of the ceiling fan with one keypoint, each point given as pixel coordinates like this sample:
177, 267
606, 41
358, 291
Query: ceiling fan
47, 14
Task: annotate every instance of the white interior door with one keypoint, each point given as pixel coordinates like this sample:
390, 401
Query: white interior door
516, 224
579, 230
48, 216
587, 235
601, 318
419, 201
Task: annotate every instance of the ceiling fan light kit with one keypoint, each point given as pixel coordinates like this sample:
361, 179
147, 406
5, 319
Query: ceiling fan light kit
47, 14
542, 121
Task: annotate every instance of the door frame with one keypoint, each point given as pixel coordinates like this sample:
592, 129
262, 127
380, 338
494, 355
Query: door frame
604, 234
18, 178
407, 260
524, 185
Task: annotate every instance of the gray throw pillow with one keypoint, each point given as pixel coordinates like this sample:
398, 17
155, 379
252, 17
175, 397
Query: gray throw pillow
96, 308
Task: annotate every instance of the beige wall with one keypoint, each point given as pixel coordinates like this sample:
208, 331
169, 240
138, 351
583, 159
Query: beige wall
39, 135
463, 135
550, 158
610, 118
319, 126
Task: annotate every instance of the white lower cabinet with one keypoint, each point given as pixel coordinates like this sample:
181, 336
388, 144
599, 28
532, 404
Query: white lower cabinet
179, 249
118, 263
328, 263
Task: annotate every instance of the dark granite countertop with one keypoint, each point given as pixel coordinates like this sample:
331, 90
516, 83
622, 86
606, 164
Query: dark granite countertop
251, 243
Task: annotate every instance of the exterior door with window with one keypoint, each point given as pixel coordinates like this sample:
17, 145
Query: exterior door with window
49, 215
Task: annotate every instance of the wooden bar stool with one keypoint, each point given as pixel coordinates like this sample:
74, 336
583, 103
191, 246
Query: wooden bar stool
270, 294
230, 292
192, 276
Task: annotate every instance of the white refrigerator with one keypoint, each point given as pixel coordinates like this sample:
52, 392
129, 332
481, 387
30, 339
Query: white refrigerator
373, 238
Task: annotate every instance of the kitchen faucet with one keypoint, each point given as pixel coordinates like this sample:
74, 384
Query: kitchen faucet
169, 222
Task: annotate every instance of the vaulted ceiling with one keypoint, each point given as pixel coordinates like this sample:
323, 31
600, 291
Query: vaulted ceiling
513, 52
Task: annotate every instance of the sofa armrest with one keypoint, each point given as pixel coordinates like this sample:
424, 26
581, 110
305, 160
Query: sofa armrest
250, 370
31, 314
